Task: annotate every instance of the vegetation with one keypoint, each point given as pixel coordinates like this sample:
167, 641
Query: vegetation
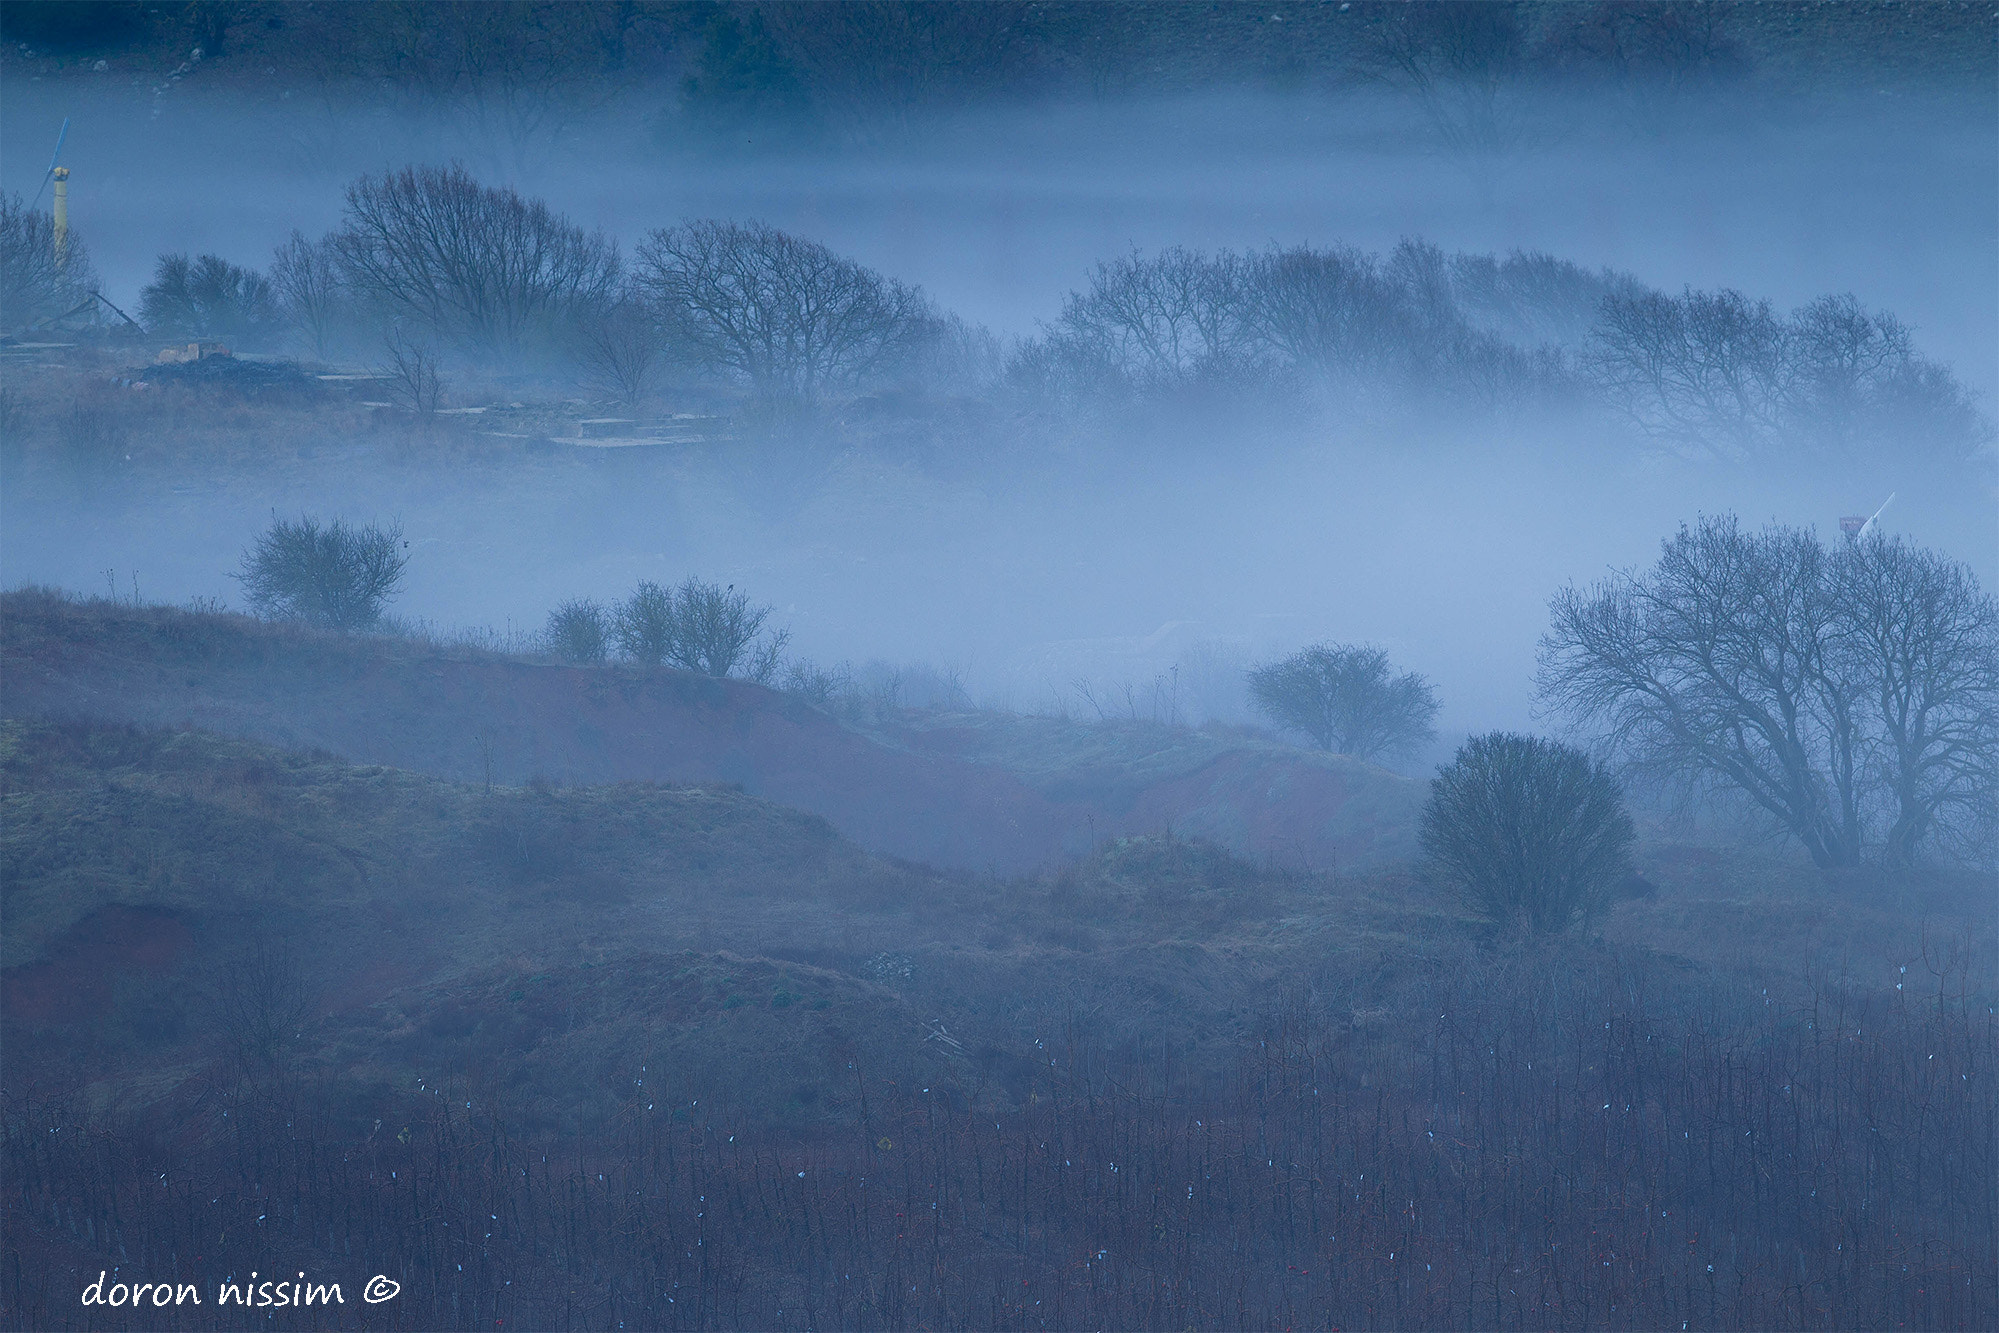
208, 298
579, 632
1347, 699
1850, 694
1407, 1108
700, 627
33, 284
785, 316
1527, 832
332, 574
1719, 373
469, 264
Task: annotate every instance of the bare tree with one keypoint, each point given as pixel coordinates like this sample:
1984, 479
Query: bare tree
788, 316
1347, 699
305, 275
513, 73
1534, 297
469, 264
1819, 684
332, 574
1527, 831
1458, 59
621, 349
1331, 311
413, 375
264, 1004
1158, 324
579, 632
34, 283
700, 627
1924, 639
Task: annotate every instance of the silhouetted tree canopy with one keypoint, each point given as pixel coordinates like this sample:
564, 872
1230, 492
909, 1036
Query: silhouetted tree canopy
209, 297
1347, 699
698, 626
1851, 693
785, 315
333, 574
471, 265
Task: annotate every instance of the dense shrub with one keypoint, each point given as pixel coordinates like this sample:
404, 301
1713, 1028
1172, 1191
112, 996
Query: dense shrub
1528, 832
209, 297
1347, 699
700, 627
331, 574
579, 632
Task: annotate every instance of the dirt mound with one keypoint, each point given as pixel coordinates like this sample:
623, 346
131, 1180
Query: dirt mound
278, 381
975, 792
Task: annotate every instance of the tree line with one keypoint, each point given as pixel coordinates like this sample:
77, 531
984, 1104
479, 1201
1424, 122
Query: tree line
429, 264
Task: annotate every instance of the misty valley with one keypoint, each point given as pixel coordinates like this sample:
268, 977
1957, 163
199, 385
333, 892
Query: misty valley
924, 664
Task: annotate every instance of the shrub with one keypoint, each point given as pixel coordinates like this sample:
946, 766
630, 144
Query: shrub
579, 632
208, 297
329, 574
700, 627
1527, 831
817, 685
1347, 700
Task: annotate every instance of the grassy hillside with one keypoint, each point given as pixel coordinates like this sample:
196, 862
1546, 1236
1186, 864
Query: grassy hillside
1019, 794
538, 1041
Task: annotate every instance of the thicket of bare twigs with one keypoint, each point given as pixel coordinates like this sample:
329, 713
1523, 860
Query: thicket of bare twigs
1544, 1143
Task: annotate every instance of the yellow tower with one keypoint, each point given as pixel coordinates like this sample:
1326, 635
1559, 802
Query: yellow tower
62, 214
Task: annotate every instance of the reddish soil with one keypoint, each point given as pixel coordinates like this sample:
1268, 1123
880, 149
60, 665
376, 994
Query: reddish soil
78, 978
476, 717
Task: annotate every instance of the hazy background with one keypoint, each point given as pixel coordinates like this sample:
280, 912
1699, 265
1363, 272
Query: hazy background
1206, 546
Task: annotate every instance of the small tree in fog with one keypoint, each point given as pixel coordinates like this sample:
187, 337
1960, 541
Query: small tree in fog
305, 276
467, 263
410, 366
1347, 699
208, 297
331, 574
579, 632
621, 349
700, 627
1527, 832
786, 315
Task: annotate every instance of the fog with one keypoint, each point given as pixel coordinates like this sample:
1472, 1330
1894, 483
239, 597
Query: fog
1320, 690
1440, 542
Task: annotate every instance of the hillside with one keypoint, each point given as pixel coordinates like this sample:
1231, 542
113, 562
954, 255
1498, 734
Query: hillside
563, 932
976, 792
512, 1044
